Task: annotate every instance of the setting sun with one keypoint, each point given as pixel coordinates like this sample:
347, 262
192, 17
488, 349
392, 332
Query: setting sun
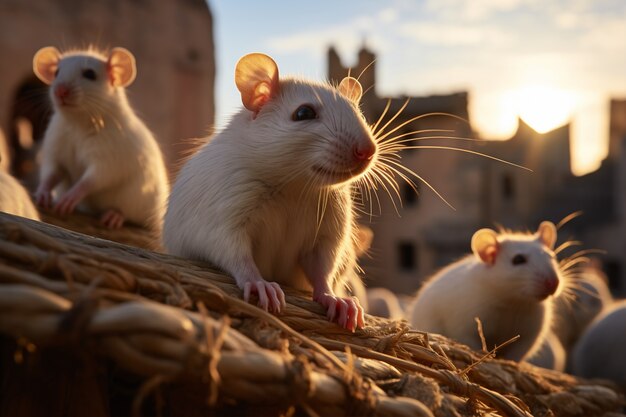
543, 107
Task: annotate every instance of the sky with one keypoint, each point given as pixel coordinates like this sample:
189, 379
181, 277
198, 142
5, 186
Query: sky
547, 61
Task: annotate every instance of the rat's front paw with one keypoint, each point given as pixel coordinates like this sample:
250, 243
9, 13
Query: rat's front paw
68, 202
271, 296
347, 312
43, 198
112, 219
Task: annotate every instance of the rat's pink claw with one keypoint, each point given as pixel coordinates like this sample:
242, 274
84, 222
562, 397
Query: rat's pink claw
347, 312
112, 219
43, 198
271, 296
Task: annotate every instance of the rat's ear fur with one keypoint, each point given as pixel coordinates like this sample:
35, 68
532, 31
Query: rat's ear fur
45, 63
485, 245
121, 67
546, 234
256, 76
351, 89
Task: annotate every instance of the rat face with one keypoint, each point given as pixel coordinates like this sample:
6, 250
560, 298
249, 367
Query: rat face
522, 266
84, 82
314, 129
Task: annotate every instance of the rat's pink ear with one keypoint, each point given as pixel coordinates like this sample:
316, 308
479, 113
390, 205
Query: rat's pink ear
45, 63
351, 89
121, 67
485, 245
546, 234
256, 76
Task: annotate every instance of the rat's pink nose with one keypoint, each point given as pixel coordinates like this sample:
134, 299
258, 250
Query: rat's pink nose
364, 152
61, 91
550, 284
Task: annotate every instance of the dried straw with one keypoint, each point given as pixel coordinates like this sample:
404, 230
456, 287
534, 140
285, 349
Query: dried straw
182, 324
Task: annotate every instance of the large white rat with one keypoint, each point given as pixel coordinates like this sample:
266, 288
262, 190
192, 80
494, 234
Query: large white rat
95, 147
269, 199
507, 283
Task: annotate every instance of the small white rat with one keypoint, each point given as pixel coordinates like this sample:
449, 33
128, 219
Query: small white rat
270, 197
599, 352
506, 283
95, 147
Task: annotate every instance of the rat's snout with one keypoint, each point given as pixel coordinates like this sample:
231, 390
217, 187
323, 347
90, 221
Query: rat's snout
62, 91
550, 284
364, 151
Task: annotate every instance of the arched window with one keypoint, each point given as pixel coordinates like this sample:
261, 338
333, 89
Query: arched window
508, 187
30, 114
407, 256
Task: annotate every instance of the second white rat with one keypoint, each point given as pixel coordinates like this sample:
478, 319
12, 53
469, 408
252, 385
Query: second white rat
99, 153
269, 199
507, 283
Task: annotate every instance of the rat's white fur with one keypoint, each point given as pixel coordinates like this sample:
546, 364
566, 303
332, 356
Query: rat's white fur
14, 198
101, 138
600, 351
551, 354
253, 191
507, 298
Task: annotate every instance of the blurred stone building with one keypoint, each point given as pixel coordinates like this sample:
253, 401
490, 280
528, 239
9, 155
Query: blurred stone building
172, 42
422, 234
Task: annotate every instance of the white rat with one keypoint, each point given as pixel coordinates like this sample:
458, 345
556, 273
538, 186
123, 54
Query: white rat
95, 147
270, 197
506, 283
599, 352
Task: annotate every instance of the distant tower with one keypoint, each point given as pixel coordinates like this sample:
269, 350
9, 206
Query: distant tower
617, 129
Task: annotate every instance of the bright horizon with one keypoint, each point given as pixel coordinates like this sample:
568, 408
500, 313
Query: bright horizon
548, 62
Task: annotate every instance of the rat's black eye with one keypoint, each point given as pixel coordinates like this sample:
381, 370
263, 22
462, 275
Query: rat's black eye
89, 74
304, 112
519, 259
56, 73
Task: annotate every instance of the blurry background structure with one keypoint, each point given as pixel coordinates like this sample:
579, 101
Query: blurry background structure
426, 235
178, 85
172, 43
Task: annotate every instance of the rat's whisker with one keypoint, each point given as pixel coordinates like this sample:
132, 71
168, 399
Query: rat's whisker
566, 245
392, 142
580, 260
421, 116
466, 151
569, 218
382, 116
383, 178
382, 129
411, 172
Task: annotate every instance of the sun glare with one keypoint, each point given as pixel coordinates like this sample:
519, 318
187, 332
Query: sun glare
542, 107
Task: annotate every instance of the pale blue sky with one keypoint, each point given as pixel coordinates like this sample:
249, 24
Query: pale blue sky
548, 60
